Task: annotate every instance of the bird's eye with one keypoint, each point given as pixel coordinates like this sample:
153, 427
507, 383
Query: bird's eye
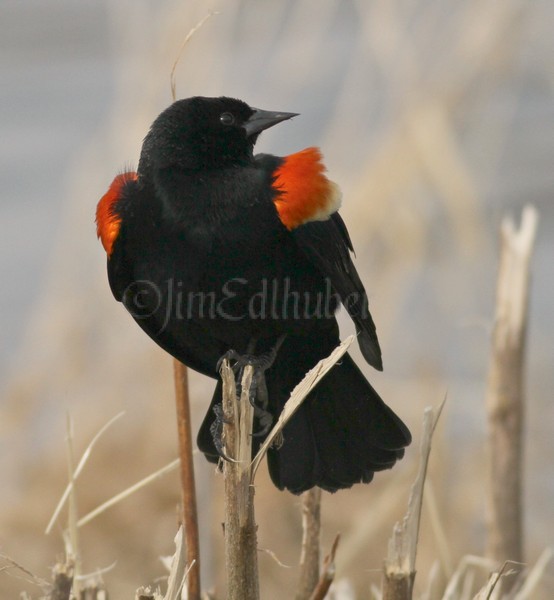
227, 118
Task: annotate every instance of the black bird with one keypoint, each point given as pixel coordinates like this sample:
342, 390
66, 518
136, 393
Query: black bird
214, 249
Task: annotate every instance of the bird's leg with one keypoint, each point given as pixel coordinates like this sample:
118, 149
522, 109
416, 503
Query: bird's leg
240, 361
261, 396
258, 395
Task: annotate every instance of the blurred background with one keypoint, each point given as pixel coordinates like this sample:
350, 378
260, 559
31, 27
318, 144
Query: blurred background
436, 118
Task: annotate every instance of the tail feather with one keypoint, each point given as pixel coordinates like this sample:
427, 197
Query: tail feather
353, 434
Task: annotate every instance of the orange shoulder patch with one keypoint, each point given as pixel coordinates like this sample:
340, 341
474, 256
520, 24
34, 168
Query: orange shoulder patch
305, 193
107, 220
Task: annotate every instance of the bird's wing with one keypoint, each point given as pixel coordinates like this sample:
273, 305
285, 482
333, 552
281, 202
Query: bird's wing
328, 245
307, 203
148, 302
109, 221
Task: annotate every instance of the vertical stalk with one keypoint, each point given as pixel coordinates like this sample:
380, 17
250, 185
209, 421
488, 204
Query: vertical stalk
504, 397
190, 517
241, 549
309, 558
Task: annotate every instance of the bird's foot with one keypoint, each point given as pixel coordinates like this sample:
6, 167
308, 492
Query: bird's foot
258, 395
260, 362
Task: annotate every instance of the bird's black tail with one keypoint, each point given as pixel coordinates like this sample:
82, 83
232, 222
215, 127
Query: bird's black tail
341, 434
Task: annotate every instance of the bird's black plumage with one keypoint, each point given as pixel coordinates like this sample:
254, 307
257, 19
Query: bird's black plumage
206, 258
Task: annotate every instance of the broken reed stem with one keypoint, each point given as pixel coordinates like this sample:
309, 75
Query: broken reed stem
178, 571
309, 558
328, 573
63, 574
190, 517
241, 548
504, 396
398, 586
399, 570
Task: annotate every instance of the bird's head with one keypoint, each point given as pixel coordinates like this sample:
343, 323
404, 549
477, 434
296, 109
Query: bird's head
205, 133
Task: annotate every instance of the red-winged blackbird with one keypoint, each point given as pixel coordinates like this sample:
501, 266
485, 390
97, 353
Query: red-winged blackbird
212, 248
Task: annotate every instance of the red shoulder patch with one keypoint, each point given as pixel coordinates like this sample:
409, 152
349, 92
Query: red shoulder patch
305, 193
107, 220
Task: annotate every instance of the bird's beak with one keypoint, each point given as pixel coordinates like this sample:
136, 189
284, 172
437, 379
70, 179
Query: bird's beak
264, 119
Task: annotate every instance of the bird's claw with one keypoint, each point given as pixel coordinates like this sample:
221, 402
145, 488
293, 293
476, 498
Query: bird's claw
257, 396
230, 355
260, 362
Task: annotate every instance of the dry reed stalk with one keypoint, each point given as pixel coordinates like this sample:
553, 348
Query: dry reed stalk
327, 574
179, 571
172, 77
63, 581
128, 492
64, 588
190, 516
241, 550
399, 570
71, 535
504, 397
78, 470
309, 557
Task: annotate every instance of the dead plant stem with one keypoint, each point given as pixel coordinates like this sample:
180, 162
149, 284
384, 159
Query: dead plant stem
190, 517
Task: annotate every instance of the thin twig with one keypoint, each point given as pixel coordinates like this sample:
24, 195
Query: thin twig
190, 516
78, 470
272, 554
31, 578
72, 536
127, 492
97, 574
180, 53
